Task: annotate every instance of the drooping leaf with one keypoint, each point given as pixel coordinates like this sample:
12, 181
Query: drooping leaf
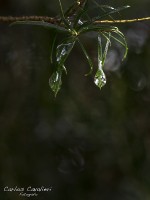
62, 53
111, 10
41, 24
87, 57
122, 41
52, 47
106, 49
55, 81
100, 78
63, 50
116, 10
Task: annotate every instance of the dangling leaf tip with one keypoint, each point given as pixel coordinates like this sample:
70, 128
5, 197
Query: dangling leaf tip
100, 79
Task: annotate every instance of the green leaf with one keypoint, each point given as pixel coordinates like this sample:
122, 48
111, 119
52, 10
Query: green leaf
55, 81
75, 7
87, 57
52, 47
111, 11
98, 28
122, 41
63, 50
41, 24
62, 53
65, 20
108, 14
82, 11
106, 49
100, 78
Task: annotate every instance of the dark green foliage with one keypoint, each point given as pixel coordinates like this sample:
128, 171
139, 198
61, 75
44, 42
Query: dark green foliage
75, 25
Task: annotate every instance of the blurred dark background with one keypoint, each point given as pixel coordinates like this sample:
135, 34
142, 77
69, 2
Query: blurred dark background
87, 143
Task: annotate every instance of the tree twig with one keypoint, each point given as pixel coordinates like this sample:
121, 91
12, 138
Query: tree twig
54, 20
10, 19
121, 21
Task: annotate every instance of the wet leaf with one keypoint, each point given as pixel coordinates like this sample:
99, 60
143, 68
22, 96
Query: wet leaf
75, 8
106, 48
111, 11
78, 18
55, 81
63, 50
62, 53
100, 78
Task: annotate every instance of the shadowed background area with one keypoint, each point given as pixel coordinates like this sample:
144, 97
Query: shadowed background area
87, 143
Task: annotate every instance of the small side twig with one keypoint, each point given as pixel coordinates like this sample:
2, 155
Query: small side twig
121, 21
78, 4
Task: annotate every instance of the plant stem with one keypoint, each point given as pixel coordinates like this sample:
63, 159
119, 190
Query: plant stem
10, 19
54, 20
121, 21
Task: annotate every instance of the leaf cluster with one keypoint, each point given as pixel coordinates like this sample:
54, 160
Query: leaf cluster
72, 27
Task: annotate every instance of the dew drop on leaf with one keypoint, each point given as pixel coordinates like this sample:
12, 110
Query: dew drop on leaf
55, 81
100, 78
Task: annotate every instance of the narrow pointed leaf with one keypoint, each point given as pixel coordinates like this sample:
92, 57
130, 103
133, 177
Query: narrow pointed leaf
97, 28
66, 22
110, 12
73, 9
52, 47
100, 50
82, 11
100, 78
123, 42
87, 57
115, 10
106, 49
41, 24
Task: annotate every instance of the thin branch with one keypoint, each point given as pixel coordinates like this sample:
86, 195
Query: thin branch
54, 20
121, 21
10, 19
